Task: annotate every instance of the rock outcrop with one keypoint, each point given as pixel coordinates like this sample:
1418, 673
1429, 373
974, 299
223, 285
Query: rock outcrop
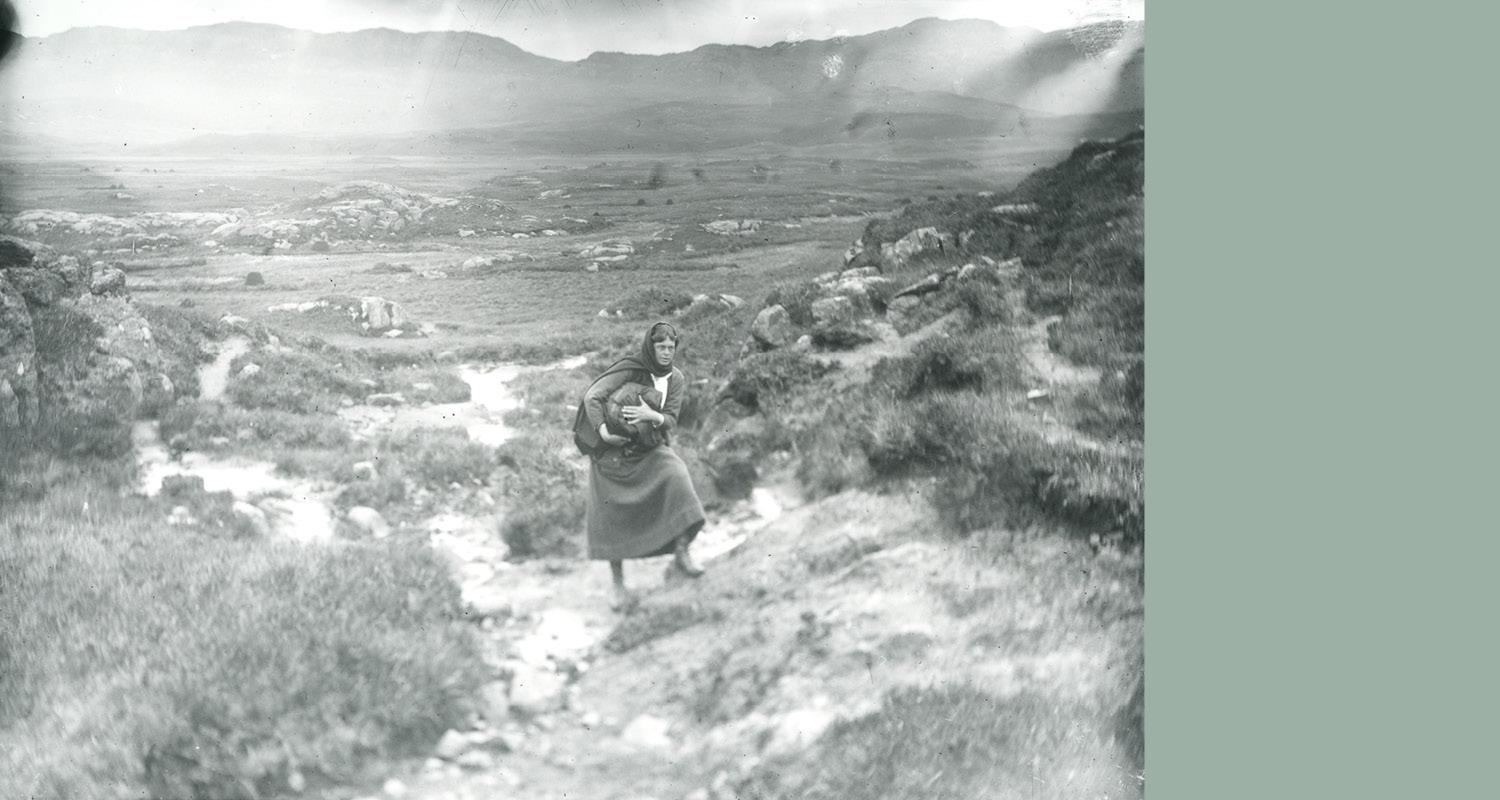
71, 346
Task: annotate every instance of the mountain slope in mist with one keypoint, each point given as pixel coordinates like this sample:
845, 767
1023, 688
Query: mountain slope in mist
933, 78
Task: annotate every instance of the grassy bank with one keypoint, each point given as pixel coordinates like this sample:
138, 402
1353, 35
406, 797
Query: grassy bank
141, 658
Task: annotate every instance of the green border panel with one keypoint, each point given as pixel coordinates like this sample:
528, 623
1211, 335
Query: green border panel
1320, 427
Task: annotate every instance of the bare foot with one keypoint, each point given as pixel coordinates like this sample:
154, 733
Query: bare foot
625, 600
684, 563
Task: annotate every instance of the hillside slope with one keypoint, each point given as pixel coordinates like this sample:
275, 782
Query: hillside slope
109, 85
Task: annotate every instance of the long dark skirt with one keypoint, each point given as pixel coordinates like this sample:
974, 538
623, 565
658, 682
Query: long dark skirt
639, 503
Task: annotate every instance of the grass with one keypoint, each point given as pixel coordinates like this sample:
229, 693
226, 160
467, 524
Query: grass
207, 424
954, 743
544, 494
142, 660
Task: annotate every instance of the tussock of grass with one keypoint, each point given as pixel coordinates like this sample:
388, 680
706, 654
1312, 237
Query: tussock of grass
142, 662
955, 743
766, 379
544, 495
437, 457
195, 424
651, 302
179, 332
298, 381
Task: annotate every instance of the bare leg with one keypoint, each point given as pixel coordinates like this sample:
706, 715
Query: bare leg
684, 560
623, 598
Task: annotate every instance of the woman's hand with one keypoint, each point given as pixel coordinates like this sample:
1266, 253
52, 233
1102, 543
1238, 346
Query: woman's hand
610, 438
637, 413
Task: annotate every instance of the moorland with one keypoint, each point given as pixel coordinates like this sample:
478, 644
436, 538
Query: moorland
289, 505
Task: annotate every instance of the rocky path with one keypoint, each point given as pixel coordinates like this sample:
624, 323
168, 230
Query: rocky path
299, 510
538, 733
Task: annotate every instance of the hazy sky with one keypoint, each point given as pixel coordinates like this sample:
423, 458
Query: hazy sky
571, 29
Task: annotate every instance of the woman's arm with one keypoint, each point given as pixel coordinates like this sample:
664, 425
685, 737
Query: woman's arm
676, 387
594, 399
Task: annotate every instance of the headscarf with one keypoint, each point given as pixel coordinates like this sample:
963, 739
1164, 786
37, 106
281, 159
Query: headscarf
648, 351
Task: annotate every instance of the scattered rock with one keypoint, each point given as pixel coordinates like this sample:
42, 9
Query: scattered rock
249, 370
732, 227
368, 522
648, 732
181, 516
452, 745
476, 760
376, 315
394, 788
386, 399
773, 327
487, 602
109, 281
253, 517
931, 283
917, 242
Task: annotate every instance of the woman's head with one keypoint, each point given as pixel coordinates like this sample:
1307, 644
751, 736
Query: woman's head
660, 348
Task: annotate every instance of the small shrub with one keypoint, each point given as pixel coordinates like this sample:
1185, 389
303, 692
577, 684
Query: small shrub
255, 279
545, 495
764, 379
438, 457
641, 201
301, 382
320, 246
797, 299
658, 177
651, 302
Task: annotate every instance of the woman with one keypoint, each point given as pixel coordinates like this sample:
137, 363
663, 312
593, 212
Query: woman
641, 501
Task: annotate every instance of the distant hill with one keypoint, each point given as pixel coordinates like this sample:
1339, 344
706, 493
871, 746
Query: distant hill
930, 78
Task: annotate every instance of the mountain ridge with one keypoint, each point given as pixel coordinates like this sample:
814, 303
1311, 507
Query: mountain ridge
94, 84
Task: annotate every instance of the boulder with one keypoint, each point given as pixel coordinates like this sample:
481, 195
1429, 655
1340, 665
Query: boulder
386, 399
899, 310
109, 281
376, 315
253, 518
364, 470
41, 287
773, 327
477, 760
918, 242
16, 252
368, 522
